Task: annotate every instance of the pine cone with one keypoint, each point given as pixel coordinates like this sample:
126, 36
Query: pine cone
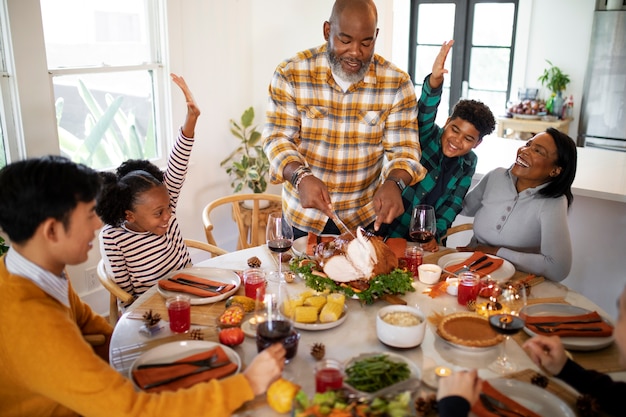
426, 406
318, 351
151, 318
471, 305
254, 262
539, 380
196, 334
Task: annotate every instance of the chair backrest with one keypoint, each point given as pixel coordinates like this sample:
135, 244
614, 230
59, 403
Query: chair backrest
456, 229
117, 293
250, 222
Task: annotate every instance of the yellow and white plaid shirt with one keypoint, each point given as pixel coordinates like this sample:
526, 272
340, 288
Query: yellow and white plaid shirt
343, 137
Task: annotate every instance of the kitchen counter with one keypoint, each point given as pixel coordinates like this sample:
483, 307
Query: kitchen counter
600, 173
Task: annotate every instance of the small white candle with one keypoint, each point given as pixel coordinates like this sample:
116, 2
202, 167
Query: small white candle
442, 371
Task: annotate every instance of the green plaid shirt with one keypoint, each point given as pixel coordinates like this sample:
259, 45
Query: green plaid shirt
449, 204
342, 136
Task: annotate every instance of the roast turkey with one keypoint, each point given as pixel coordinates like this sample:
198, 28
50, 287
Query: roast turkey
348, 259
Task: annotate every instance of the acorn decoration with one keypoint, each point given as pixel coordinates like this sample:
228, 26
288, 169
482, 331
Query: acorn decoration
318, 351
151, 319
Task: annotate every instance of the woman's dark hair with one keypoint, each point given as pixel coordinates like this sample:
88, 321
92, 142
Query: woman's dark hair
37, 189
476, 113
567, 158
120, 191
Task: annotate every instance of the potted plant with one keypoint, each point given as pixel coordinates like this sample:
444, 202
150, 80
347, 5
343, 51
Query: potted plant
247, 165
556, 81
3, 248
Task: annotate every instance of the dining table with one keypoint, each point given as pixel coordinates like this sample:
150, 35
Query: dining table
356, 334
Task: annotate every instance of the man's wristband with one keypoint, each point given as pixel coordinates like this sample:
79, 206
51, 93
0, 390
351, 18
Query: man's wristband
399, 182
297, 176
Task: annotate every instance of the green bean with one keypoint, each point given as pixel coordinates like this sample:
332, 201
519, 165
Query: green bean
376, 372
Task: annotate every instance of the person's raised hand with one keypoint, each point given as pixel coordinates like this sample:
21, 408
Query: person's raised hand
265, 368
465, 384
436, 77
547, 352
387, 204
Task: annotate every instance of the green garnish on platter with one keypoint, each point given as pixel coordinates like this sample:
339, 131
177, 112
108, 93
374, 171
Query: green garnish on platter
398, 281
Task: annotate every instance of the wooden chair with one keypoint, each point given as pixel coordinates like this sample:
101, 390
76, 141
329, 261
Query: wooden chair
455, 229
250, 222
117, 293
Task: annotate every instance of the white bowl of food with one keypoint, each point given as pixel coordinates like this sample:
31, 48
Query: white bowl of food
400, 326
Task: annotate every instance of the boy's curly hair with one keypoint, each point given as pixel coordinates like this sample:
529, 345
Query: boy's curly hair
120, 190
477, 113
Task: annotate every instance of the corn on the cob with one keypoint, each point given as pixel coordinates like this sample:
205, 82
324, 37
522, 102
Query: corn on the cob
331, 312
290, 304
317, 301
337, 298
306, 314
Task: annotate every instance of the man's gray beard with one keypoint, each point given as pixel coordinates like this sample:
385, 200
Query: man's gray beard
335, 65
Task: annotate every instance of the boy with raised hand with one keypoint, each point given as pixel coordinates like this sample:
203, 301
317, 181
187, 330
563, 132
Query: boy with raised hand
47, 208
446, 154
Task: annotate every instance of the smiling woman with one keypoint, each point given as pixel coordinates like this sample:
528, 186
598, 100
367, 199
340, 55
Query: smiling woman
520, 214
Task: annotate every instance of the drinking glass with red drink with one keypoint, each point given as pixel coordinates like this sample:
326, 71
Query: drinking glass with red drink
413, 256
273, 326
179, 313
254, 283
469, 286
328, 375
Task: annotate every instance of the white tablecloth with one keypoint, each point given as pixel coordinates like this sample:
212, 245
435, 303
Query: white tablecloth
356, 335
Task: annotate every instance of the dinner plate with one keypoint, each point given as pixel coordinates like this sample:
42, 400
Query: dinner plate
506, 271
323, 326
170, 352
299, 246
227, 276
572, 343
536, 399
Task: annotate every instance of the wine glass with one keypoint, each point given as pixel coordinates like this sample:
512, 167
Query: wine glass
279, 238
423, 224
509, 300
273, 325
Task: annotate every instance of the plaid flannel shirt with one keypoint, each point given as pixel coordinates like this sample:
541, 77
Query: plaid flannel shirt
343, 137
448, 204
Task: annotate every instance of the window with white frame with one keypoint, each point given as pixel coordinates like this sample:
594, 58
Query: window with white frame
10, 132
105, 60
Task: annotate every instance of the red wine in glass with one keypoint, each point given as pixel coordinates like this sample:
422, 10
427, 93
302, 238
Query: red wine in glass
506, 324
279, 245
277, 331
422, 236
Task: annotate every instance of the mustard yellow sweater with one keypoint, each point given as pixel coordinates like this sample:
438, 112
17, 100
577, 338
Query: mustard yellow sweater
47, 369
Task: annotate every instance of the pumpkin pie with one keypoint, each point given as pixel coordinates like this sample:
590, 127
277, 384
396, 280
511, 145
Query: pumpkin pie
468, 329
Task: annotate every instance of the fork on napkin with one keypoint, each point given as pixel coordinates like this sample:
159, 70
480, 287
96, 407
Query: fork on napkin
172, 285
479, 409
575, 325
480, 268
148, 376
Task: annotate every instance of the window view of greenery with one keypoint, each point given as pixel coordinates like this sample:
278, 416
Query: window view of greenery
100, 54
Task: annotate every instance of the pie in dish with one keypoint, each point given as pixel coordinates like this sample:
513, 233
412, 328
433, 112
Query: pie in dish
468, 329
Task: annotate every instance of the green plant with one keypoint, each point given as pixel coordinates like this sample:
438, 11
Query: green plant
247, 165
3, 248
553, 78
111, 135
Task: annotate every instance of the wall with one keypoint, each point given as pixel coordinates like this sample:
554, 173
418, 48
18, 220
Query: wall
227, 51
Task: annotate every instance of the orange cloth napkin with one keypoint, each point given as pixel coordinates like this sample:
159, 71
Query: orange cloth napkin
566, 322
488, 389
147, 376
397, 245
168, 285
497, 263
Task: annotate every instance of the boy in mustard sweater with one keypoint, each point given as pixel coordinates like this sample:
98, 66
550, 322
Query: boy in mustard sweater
47, 208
